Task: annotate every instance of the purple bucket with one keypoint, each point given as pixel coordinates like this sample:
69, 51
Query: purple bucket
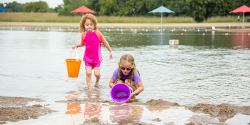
120, 93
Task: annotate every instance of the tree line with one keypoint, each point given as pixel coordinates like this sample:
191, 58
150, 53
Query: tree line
39, 6
198, 9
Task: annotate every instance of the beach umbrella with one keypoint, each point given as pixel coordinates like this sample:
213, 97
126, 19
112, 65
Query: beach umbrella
161, 10
243, 9
3, 10
83, 9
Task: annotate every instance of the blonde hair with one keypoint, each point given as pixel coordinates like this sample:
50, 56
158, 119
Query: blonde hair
83, 20
130, 59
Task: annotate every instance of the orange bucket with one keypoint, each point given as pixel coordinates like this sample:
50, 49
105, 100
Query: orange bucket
73, 66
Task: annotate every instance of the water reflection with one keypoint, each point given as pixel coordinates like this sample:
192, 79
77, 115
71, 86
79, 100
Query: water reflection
73, 109
120, 111
240, 40
92, 110
124, 114
151, 36
191, 38
173, 47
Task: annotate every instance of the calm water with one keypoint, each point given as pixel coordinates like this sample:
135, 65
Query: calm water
206, 66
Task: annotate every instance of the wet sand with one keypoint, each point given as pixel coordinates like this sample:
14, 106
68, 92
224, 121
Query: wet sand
15, 109
128, 25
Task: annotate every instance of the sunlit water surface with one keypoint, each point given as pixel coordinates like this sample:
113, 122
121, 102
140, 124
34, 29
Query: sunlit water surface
206, 67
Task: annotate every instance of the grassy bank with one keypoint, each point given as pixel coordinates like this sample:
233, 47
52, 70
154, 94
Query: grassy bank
53, 17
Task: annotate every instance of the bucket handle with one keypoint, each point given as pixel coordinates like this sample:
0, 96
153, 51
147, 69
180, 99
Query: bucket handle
131, 89
76, 55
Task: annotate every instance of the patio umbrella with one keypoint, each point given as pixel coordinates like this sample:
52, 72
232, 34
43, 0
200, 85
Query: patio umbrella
243, 9
83, 9
161, 10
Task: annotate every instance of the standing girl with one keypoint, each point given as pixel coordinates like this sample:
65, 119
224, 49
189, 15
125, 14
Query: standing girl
128, 74
92, 39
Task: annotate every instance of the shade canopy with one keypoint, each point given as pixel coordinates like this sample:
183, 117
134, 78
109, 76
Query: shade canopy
3, 10
243, 9
161, 10
83, 9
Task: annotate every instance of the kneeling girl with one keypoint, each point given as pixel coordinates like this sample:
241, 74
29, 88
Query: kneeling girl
128, 74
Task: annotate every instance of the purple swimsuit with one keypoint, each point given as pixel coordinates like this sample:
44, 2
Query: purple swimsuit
136, 77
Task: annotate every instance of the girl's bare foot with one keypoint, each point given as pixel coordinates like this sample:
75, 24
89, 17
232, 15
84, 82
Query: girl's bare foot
96, 84
89, 86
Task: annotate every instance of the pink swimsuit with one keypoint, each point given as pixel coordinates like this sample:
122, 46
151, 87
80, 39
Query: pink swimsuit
92, 41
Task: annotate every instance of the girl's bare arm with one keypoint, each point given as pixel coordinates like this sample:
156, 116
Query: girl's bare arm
106, 44
111, 83
79, 45
139, 89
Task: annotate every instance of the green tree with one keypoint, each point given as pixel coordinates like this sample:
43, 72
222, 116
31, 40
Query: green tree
14, 7
137, 7
123, 7
94, 5
1, 5
64, 11
28, 7
59, 7
40, 6
198, 8
108, 7
180, 9
18, 8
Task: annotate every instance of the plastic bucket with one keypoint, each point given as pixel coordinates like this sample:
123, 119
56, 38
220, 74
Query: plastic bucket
120, 93
73, 66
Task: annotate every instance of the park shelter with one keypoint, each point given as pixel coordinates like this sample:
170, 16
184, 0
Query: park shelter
243, 9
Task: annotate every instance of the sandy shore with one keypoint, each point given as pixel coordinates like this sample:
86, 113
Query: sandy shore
126, 25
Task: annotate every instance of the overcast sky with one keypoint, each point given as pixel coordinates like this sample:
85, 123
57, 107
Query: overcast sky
51, 3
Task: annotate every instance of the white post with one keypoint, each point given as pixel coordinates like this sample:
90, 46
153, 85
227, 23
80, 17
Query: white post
161, 18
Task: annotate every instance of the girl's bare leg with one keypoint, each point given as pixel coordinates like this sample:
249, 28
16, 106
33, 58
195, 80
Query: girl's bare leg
97, 75
88, 77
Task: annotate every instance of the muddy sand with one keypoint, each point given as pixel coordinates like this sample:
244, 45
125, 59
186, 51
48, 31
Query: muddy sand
14, 109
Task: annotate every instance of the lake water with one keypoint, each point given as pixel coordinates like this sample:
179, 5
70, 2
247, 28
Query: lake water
206, 67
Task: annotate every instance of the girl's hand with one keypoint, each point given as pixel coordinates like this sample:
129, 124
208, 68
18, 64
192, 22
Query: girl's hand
74, 46
110, 55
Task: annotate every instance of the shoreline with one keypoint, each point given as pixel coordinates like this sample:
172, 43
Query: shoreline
128, 25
